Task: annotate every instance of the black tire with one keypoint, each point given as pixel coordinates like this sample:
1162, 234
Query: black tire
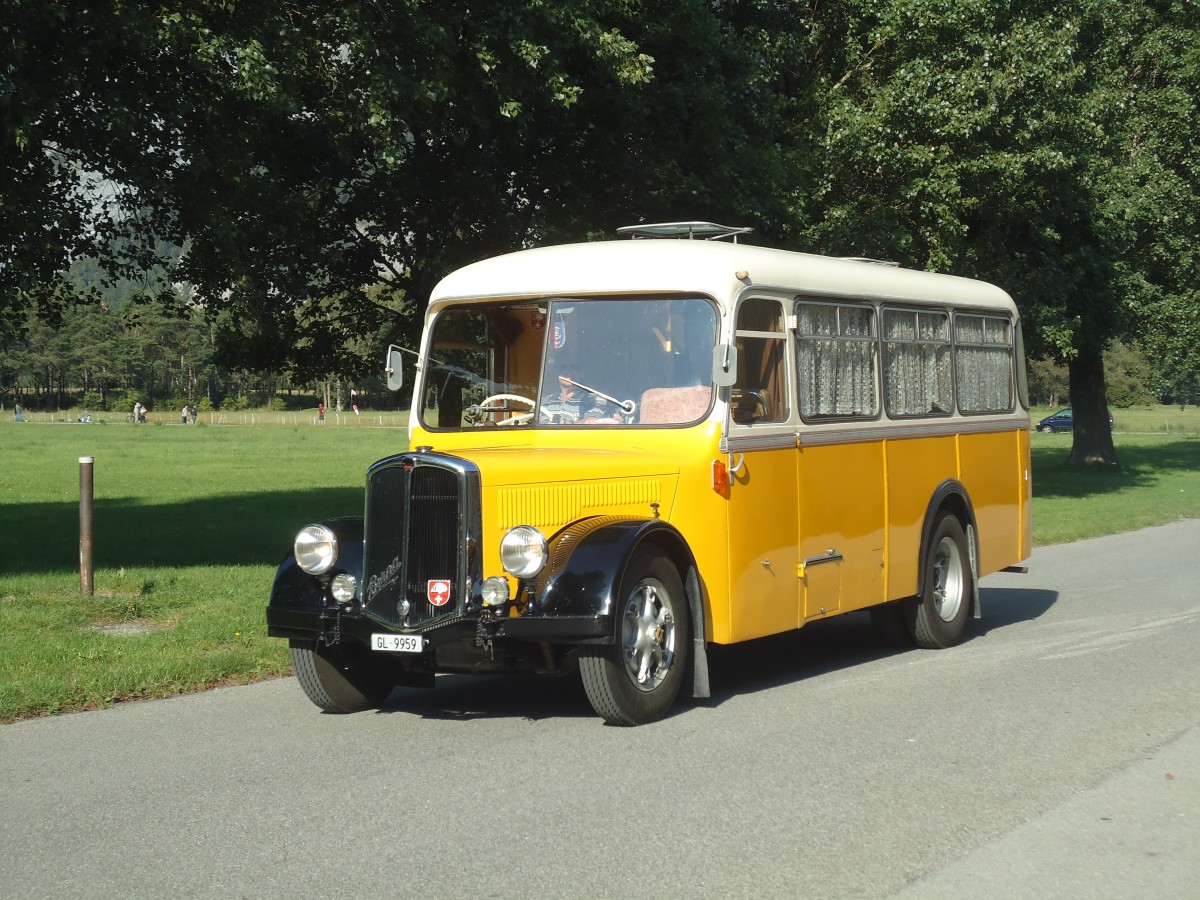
636, 679
939, 617
343, 678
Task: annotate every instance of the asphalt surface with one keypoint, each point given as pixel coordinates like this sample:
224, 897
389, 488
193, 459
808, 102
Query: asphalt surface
1056, 753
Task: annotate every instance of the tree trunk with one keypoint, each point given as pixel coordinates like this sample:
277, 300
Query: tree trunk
1092, 437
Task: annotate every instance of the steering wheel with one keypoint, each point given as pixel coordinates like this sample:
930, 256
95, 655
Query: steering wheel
485, 406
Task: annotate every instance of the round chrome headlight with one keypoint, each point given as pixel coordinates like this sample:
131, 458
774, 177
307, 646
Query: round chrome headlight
523, 551
342, 587
316, 549
494, 591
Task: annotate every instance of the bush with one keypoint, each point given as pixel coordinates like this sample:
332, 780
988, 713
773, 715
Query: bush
277, 404
205, 405
125, 402
93, 400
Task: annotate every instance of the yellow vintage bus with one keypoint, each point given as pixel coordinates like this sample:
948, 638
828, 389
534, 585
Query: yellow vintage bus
623, 451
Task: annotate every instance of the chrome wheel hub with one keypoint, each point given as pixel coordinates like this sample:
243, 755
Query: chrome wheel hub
948, 581
648, 635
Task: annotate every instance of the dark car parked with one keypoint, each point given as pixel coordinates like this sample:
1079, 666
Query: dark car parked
1063, 420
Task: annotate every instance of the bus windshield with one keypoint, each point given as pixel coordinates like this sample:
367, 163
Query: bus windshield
566, 362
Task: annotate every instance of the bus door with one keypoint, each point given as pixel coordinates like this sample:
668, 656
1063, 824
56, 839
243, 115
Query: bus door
841, 523
763, 523
840, 461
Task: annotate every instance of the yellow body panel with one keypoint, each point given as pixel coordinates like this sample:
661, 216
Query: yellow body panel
763, 587
762, 548
562, 478
842, 510
995, 494
915, 468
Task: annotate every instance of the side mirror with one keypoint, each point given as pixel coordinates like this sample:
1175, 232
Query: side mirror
724, 368
394, 368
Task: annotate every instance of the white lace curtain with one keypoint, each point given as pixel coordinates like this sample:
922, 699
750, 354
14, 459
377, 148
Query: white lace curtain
916, 370
984, 363
835, 360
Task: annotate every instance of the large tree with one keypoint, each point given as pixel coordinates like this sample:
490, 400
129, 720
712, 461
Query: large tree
302, 151
1156, 78
977, 138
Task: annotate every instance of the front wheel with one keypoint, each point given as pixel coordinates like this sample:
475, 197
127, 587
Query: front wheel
636, 679
1046, 429
343, 678
939, 617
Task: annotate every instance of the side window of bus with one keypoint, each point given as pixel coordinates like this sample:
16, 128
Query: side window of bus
983, 353
760, 393
835, 360
916, 363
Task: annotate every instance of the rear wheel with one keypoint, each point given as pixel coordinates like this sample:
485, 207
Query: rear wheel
939, 618
343, 678
636, 679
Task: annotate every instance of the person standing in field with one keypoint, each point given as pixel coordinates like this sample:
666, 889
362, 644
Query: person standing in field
320, 413
183, 415
18, 413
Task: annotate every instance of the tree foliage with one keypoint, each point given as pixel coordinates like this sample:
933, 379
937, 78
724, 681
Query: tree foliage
304, 151
321, 165
1014, 142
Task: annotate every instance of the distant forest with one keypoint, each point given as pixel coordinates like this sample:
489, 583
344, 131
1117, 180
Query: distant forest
150, 342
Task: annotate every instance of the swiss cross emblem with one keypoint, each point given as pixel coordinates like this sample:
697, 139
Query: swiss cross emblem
438, 591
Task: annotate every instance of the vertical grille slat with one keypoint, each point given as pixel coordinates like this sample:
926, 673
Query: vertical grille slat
413, 533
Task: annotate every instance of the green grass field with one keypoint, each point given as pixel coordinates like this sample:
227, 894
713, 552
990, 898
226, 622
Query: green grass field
190, 523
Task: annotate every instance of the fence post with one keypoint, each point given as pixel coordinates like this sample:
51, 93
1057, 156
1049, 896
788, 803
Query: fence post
87, 585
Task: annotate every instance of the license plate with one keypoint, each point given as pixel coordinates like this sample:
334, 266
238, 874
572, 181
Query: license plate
398, 643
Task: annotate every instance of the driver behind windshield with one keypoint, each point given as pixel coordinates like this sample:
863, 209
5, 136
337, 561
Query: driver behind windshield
575, 404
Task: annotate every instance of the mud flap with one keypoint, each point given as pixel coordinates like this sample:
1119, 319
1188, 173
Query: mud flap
700, 688
973, 552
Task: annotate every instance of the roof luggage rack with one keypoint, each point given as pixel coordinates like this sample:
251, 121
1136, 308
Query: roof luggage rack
706, 231
874, 262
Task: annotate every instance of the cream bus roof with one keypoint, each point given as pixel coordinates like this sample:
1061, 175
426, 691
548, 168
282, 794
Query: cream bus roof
701, 267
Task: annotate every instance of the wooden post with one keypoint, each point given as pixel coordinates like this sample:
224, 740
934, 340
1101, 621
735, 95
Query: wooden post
87, 585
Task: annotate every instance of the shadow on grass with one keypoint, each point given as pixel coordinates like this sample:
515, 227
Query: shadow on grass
1139, 466
820, 648
247, 529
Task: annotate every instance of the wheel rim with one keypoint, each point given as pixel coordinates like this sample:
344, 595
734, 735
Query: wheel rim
648, 635
948, 582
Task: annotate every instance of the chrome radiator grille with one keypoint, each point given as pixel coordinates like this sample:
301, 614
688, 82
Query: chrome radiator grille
413, 570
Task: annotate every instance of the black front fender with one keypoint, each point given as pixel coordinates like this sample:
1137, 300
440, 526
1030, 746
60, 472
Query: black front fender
589, 559
298, 598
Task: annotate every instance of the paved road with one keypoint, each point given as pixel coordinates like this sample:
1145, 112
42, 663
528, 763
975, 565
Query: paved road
1055, 754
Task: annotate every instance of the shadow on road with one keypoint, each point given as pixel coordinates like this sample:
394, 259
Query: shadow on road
817, 649
1004, 606
847, 641
468, 697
